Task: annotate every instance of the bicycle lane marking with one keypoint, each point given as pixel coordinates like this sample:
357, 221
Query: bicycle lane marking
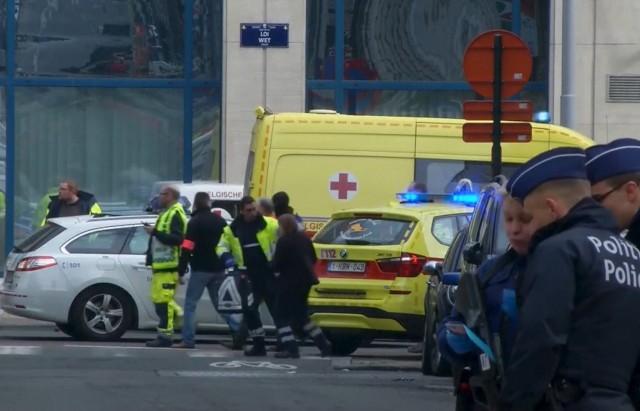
257, 364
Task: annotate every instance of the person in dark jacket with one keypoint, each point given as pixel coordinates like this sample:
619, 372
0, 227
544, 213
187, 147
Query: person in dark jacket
71, 202
204, 230
498, 277
614, 173
281, 206
578, 299
293, 261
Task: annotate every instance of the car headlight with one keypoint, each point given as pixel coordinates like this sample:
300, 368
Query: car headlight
451, 294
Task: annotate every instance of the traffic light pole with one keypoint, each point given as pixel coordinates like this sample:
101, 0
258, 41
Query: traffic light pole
496, 148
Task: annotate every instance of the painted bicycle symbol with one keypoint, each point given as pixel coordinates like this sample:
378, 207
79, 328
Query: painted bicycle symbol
259, 364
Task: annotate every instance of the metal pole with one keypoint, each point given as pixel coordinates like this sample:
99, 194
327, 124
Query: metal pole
568, 96
496, 149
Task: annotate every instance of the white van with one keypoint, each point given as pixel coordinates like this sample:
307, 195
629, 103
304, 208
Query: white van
224, 196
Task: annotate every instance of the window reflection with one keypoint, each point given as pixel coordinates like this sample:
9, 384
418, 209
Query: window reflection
207, 39
206, 134
136, 38
3, 36
415, 40
114, 142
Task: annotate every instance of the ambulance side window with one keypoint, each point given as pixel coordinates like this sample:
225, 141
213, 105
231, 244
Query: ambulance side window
442, 176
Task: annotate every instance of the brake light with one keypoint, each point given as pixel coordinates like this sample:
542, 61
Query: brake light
407, 265
35, 263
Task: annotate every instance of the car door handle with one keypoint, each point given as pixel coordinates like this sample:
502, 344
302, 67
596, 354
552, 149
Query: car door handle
141, 267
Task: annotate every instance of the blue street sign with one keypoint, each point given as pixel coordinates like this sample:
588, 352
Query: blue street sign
264, 35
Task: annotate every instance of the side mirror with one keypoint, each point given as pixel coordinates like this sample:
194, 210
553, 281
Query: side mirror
472, 253
451, 279
432, 268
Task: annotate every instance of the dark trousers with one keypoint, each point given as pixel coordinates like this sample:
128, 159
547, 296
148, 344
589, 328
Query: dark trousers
601, 399
291, 308
263, 288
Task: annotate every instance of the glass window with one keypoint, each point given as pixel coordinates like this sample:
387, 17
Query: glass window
453, 258
136, 38
207, 39
463, 221
3, 39
138, 242
364, 231
114, 142
206, 134
321, 41
321, 99
39, 238
442, 176
99, 242
424, 40
444, 229
433, 103
501, 241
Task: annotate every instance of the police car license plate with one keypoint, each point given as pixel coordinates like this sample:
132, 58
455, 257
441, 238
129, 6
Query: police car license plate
346, 267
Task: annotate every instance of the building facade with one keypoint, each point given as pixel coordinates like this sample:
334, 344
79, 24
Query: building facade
120, 94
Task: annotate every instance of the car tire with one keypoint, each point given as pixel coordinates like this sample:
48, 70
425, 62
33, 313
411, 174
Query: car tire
69, 330
432, 361
343, 344
102, 313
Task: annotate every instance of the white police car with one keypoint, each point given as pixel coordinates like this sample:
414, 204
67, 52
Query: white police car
88, 275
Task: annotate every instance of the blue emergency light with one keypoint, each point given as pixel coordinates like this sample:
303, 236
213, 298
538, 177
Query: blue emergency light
412, 197
465, 198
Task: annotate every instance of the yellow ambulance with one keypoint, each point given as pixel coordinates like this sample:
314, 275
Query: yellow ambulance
328, 162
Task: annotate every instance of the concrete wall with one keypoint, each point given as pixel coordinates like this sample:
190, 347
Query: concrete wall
253, 76
608, 43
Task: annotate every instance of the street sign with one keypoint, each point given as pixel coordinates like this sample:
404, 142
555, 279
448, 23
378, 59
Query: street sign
264, 35
483, 132
478, 64
511, 110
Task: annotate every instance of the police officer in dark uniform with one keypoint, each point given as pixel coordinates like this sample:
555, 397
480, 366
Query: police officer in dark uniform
578, 299
614, 173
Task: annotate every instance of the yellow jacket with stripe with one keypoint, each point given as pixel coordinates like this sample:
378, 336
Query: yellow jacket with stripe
267, 237
163, 254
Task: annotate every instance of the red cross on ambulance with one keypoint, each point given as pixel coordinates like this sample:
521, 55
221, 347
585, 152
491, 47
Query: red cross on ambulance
343, 186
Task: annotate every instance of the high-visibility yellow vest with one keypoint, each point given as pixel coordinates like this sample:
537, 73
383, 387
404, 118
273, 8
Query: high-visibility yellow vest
167, 257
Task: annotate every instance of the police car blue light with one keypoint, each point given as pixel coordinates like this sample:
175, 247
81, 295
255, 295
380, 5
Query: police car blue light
412, 197
542, 117
465, 198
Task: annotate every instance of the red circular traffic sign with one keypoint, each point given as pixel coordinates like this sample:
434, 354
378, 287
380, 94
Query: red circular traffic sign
517, 63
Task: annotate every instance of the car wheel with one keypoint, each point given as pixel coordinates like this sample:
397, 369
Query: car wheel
432, 361
102, 313
68, 329
343, 344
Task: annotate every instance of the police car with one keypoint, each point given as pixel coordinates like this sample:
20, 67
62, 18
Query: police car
371, 267
88, 275
484, 238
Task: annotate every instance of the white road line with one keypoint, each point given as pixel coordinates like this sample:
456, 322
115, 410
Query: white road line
113, 347
209, 354
20, 350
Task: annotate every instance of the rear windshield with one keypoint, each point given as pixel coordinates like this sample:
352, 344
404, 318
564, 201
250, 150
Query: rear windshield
39, 238
364, 231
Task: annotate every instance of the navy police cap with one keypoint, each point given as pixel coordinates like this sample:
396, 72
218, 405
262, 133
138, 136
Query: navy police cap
618, 157
556, 164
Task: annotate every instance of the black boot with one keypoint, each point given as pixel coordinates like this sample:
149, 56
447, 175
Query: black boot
240, 337
258, 349
289, 345
323, 344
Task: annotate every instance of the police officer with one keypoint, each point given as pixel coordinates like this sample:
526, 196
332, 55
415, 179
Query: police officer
579, 297
163, 256
248, 242
70, 202
614, 173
